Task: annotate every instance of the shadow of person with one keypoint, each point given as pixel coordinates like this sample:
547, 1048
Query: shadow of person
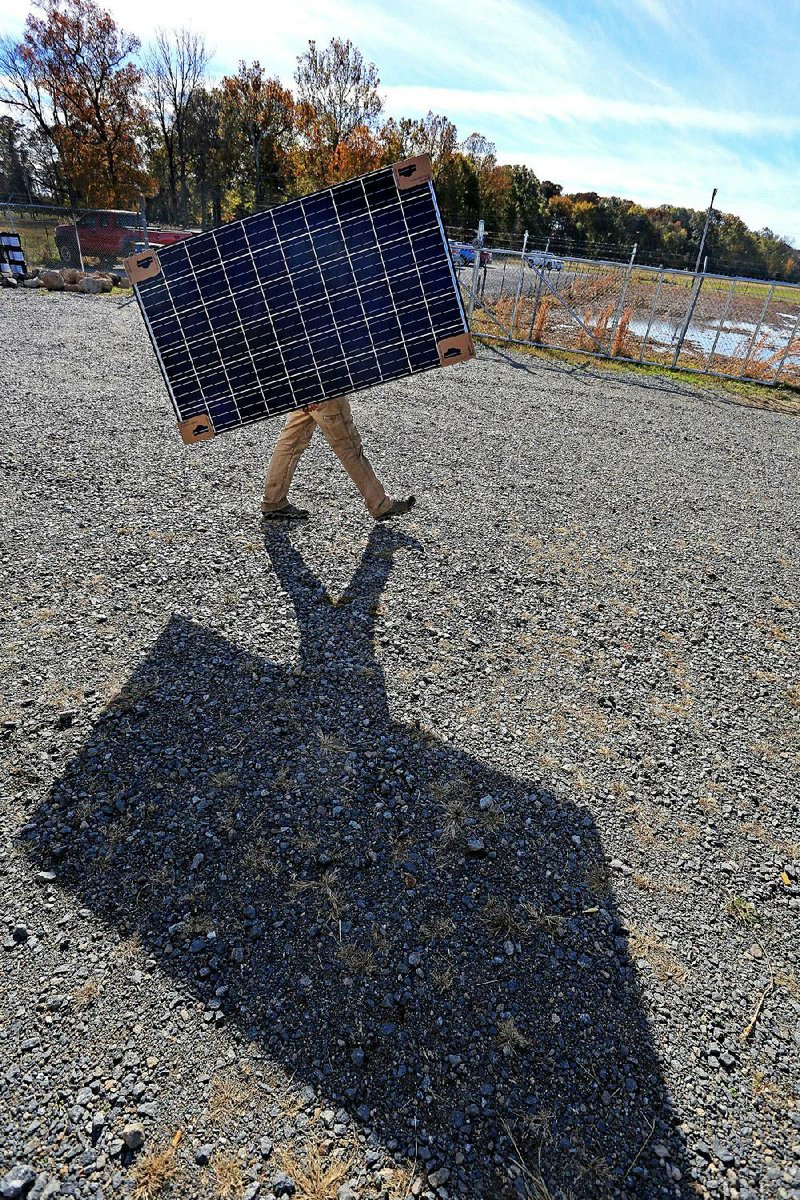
430, 943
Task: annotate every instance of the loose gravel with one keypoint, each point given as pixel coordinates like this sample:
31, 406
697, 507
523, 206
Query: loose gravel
452, 858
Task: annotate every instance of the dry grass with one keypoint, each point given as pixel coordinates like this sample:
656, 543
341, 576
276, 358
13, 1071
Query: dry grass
318, 1169
540, 320
327, 891
154, 1173
502, 921
85, 996
398, 1182
228, 1176
619, 344
228, 1096
356, 959
510, 1038
770, 1094
793, 695
442, 978
661, 959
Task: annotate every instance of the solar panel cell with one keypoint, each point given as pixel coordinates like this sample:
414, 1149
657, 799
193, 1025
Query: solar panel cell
316, 298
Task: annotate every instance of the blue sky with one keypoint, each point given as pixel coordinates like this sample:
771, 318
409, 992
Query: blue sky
656, 100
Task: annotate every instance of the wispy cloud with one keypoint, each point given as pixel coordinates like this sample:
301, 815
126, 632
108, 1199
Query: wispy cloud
586, 108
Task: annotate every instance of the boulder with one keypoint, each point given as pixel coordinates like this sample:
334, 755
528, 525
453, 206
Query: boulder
52, 280
116, 279
70, 275
105, 280
32, 283
7, 280
90, 286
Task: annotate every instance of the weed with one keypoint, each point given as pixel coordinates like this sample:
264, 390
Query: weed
228, 1096
224, 779
741, 912
355, 959
443, 978
502, 921
793, 695
318, 1172
328, 892
332, 743
85, 996
228, 1176
664, 964
154, 1173
510, 1038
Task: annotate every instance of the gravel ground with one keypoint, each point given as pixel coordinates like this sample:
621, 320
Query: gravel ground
456, 858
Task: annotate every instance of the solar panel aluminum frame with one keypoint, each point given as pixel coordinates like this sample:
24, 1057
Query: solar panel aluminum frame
320, 309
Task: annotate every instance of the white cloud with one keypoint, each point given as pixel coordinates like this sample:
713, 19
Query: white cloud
583, 107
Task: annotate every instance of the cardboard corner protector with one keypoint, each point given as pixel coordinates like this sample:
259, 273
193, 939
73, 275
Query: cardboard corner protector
196, 429
455, 349
410, 172
142, 266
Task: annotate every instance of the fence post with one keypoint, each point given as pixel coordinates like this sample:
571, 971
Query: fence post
143, 218
77, 238
519, 282
698, 283
476, 266
623, 294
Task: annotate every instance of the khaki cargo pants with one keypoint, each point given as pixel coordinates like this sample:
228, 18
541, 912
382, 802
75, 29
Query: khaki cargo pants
335, 420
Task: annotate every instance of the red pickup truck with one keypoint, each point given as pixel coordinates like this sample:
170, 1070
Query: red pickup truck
110, 235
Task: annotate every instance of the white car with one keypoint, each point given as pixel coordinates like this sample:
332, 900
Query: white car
542, 259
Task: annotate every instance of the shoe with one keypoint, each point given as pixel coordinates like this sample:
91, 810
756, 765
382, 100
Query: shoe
287, 513
397, 509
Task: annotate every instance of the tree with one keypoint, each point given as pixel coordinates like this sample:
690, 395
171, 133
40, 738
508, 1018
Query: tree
16, 179
71, 80
210, 153
175, 66
526, 203
337, 94
261, 114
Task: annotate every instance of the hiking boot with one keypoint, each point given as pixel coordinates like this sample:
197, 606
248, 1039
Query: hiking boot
398, 508
287, 513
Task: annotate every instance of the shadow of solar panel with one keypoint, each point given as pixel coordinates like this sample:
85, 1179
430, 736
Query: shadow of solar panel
316, 298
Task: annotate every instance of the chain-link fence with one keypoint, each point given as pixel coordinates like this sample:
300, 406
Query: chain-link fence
715, 324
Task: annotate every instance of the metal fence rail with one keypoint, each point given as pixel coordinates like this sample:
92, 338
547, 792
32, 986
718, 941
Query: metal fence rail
713, 324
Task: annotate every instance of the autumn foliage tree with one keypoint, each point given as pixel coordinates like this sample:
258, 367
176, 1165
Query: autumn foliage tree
71, 78
260, 117
338, 109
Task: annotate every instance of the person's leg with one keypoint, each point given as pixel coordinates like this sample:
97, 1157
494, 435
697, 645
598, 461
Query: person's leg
336, 421
293, 440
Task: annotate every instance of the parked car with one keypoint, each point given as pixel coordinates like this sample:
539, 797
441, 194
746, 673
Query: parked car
543, 259
109, 234
463, 254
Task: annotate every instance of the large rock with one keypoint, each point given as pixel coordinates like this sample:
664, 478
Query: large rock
52, 280
17, 1182
90, 286
105, 279
32, 283
70, 274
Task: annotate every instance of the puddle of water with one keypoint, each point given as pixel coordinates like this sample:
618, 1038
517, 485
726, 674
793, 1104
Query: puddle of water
733, 342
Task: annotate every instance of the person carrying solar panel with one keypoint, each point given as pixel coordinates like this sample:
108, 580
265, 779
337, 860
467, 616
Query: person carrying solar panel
335, 420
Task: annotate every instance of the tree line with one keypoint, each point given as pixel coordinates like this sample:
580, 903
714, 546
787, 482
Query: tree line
93, 119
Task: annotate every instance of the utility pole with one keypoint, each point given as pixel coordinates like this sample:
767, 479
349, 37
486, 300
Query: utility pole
705, 231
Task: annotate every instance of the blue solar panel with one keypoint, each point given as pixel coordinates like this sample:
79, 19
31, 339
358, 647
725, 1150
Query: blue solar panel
316, 298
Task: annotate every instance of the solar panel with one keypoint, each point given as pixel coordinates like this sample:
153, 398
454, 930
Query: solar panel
12, 258
315, 298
